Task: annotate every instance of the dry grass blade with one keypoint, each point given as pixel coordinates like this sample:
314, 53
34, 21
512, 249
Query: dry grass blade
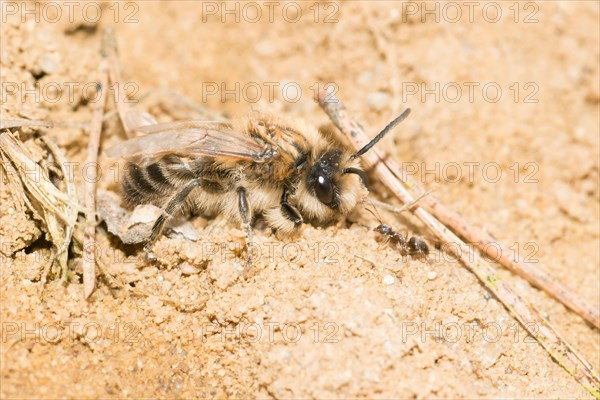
16, 185
110, 56
17, 123
89, 243
34, 177
560, 350
202, 112
56, 209
62, 254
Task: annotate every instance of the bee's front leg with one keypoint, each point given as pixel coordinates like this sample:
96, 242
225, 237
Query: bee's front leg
288, 211
284, 219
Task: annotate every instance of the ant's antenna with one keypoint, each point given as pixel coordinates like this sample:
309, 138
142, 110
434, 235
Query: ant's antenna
377, 216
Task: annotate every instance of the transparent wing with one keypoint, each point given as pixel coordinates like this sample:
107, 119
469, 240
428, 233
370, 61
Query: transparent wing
134, 119
200, 138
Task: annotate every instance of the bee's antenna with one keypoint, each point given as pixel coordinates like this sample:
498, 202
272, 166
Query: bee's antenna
381, 134
360, 173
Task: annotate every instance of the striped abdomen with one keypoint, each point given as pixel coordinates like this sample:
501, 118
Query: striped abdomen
156, 180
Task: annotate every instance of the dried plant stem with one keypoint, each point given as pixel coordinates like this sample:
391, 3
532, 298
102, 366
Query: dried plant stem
561, 351
499, 252
89, 243
42, 190
481, 239
62, 253
17, 123
203, 112
49, 204
399, 210
109, 52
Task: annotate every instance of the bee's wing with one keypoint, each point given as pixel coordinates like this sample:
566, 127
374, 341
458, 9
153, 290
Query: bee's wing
134, 119
200, 138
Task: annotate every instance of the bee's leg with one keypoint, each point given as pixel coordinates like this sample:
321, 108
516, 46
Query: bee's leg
245, 214
288, 211
172, 205
284, 219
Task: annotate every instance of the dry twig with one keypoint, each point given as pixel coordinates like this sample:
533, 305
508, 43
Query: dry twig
65, 233
89, 254
110, 55
560, 350
499, 252
17, 123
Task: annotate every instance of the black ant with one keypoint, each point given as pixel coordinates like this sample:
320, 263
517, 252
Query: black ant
414, 247
417, 247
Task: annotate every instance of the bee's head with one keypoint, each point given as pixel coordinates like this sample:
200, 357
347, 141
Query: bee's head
334, 181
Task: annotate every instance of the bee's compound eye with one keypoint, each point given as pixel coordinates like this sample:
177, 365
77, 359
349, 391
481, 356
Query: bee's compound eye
324, 189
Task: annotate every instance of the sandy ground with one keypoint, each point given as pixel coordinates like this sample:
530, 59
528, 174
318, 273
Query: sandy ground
330, 314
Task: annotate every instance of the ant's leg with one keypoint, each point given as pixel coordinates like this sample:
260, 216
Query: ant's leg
172, 205
385, 243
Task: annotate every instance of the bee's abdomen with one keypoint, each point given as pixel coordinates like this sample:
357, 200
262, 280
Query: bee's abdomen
154, 181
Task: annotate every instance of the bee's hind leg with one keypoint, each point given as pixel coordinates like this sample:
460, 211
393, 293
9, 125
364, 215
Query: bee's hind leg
172, 205
246, 216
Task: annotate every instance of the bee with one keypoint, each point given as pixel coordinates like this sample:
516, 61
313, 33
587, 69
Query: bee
285, 170
414, 247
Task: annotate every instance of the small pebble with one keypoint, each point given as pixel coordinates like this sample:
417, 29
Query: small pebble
166, 286
431, 275
388, 280
189, 269
47, 64
378, 100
